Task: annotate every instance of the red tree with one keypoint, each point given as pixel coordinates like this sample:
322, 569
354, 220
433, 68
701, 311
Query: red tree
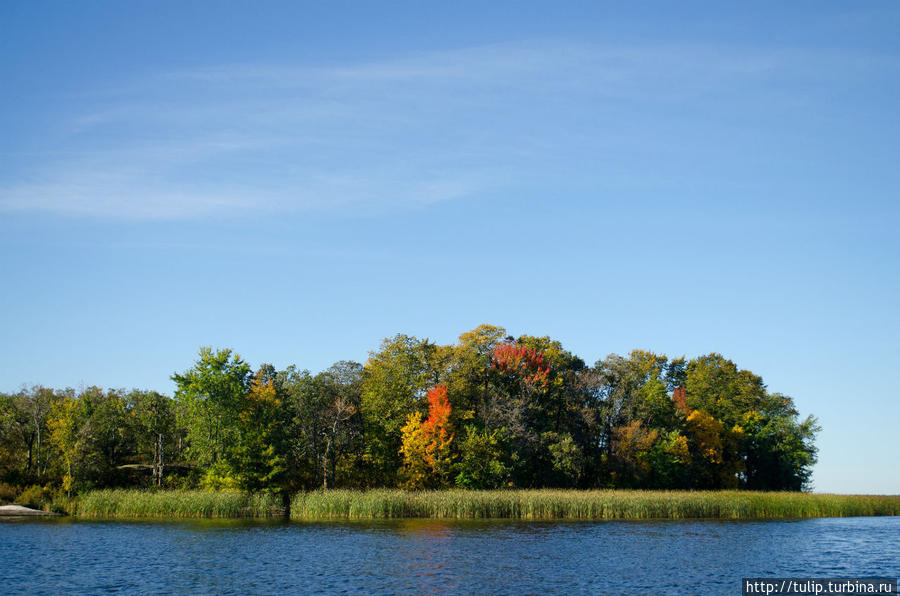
436, 427
528, 364
679, 396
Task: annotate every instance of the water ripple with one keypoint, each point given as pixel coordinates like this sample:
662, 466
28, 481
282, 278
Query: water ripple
428, 557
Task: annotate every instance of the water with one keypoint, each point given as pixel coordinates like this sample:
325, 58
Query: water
423, 556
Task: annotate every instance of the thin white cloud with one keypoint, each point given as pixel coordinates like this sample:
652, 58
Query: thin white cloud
390, 134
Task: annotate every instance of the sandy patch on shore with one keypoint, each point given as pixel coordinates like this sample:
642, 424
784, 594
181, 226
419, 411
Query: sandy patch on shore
19, 510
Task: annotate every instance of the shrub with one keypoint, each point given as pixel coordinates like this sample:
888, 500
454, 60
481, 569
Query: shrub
7, 493
34, 496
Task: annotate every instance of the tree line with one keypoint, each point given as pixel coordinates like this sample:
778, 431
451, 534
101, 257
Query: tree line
490, 411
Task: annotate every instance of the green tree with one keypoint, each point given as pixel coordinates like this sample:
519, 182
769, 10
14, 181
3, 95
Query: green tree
93, 433
108, 435
484, 459
212, 393
302, 427
628, 391
670, 461
566, 458
324, 425
395, 380
256, 457
30, 410
715, 385
779, 448
340, 394
469, 375
765, 444
154, 421
12, 451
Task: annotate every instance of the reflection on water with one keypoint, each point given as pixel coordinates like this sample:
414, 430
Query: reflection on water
430, 556
430, 528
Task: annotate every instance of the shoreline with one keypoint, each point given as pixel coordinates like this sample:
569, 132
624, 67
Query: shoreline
20, 511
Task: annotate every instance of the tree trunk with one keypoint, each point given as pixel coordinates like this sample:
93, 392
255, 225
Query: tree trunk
159, 464
38, 451
30, 442
325, 465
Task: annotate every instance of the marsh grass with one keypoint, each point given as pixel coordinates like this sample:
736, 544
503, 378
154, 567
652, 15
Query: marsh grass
474, 504
575, 504
176, 503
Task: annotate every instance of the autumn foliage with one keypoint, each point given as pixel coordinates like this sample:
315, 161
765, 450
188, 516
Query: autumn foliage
528, 364
426, 444
680, 398
491, 411
436, 427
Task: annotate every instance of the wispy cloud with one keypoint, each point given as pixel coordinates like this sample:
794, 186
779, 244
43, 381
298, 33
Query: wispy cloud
391, 134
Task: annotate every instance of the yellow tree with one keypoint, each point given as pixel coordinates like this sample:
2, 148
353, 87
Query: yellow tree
632, 445
255, 455
716, 447
65, 436
412, 447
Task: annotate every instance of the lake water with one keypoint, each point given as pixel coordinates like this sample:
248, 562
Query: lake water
423, 556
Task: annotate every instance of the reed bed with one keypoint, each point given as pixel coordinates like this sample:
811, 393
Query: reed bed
575, 504
177, 503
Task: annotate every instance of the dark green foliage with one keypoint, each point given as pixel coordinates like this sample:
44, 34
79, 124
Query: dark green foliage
155, 430
24, 430
484, 461
323, 423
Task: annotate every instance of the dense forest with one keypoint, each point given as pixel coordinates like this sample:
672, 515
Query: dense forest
491, 411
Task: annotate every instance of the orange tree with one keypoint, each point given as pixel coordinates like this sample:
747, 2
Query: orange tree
425, 444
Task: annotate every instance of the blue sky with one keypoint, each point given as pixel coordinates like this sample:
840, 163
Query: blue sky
297, 181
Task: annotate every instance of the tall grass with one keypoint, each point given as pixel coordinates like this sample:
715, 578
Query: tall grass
574, 504
470, 504
176, 503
